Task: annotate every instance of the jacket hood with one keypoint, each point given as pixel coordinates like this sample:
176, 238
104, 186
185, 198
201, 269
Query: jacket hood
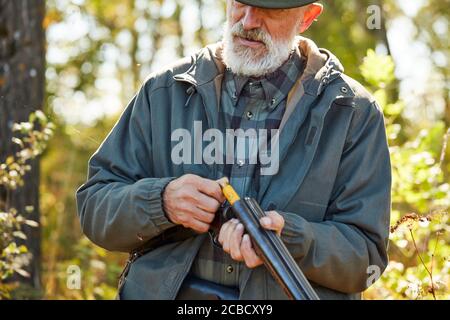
321, 65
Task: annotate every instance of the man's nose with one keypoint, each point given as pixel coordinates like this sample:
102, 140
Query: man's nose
251, 19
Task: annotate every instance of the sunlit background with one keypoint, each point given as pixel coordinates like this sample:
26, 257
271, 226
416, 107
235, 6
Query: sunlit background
99, 52
123, 41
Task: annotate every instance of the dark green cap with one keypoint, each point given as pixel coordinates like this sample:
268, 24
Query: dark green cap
277, 4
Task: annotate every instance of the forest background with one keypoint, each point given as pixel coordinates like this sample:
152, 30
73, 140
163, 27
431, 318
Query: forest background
69, 67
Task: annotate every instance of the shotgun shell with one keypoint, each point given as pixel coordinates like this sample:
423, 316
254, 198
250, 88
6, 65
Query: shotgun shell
228, 191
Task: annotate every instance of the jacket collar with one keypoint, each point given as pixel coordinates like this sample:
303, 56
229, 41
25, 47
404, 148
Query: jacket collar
322, 66
205, 67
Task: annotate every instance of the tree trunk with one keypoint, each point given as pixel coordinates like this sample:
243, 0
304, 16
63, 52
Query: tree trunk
22, 85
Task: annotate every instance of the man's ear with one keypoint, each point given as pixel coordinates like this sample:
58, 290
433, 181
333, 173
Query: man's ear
311, 12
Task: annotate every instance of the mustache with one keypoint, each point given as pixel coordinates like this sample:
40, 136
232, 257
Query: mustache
254, 34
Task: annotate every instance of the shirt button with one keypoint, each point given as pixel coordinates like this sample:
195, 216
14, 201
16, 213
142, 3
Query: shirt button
230, 268
240, 163
249, 115
272, 102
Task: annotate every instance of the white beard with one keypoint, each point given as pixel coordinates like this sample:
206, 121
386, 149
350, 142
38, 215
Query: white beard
246, 61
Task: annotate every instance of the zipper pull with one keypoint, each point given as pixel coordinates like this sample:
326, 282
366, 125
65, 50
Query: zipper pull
190, 91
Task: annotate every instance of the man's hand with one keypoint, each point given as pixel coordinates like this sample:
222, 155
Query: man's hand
192, 201
238, 244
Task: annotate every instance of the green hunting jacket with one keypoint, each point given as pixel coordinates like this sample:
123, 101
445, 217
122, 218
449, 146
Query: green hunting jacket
332, 187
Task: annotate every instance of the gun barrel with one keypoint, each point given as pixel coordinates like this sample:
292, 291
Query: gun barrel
270, 248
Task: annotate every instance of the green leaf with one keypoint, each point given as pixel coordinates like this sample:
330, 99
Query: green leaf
23, 249
378, 70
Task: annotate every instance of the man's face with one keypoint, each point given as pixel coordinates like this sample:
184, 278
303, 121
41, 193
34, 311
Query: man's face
256, 40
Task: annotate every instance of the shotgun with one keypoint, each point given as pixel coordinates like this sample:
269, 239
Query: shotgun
269, 246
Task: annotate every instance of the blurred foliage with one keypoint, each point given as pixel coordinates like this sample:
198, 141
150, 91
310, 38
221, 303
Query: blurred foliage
432, 29
420, 239
100, 51
32, 139
63, 170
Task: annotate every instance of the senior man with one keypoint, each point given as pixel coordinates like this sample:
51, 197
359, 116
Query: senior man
152, 191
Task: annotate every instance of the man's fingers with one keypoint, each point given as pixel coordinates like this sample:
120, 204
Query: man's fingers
186, 199
206, 203
199, 226
223, 234
249, 255
199, 214
194, 218
273, 221
235, 242
211, 188
227, 235
277, 219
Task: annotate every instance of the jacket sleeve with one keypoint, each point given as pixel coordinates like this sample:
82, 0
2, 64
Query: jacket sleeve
120, 205
337, 252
